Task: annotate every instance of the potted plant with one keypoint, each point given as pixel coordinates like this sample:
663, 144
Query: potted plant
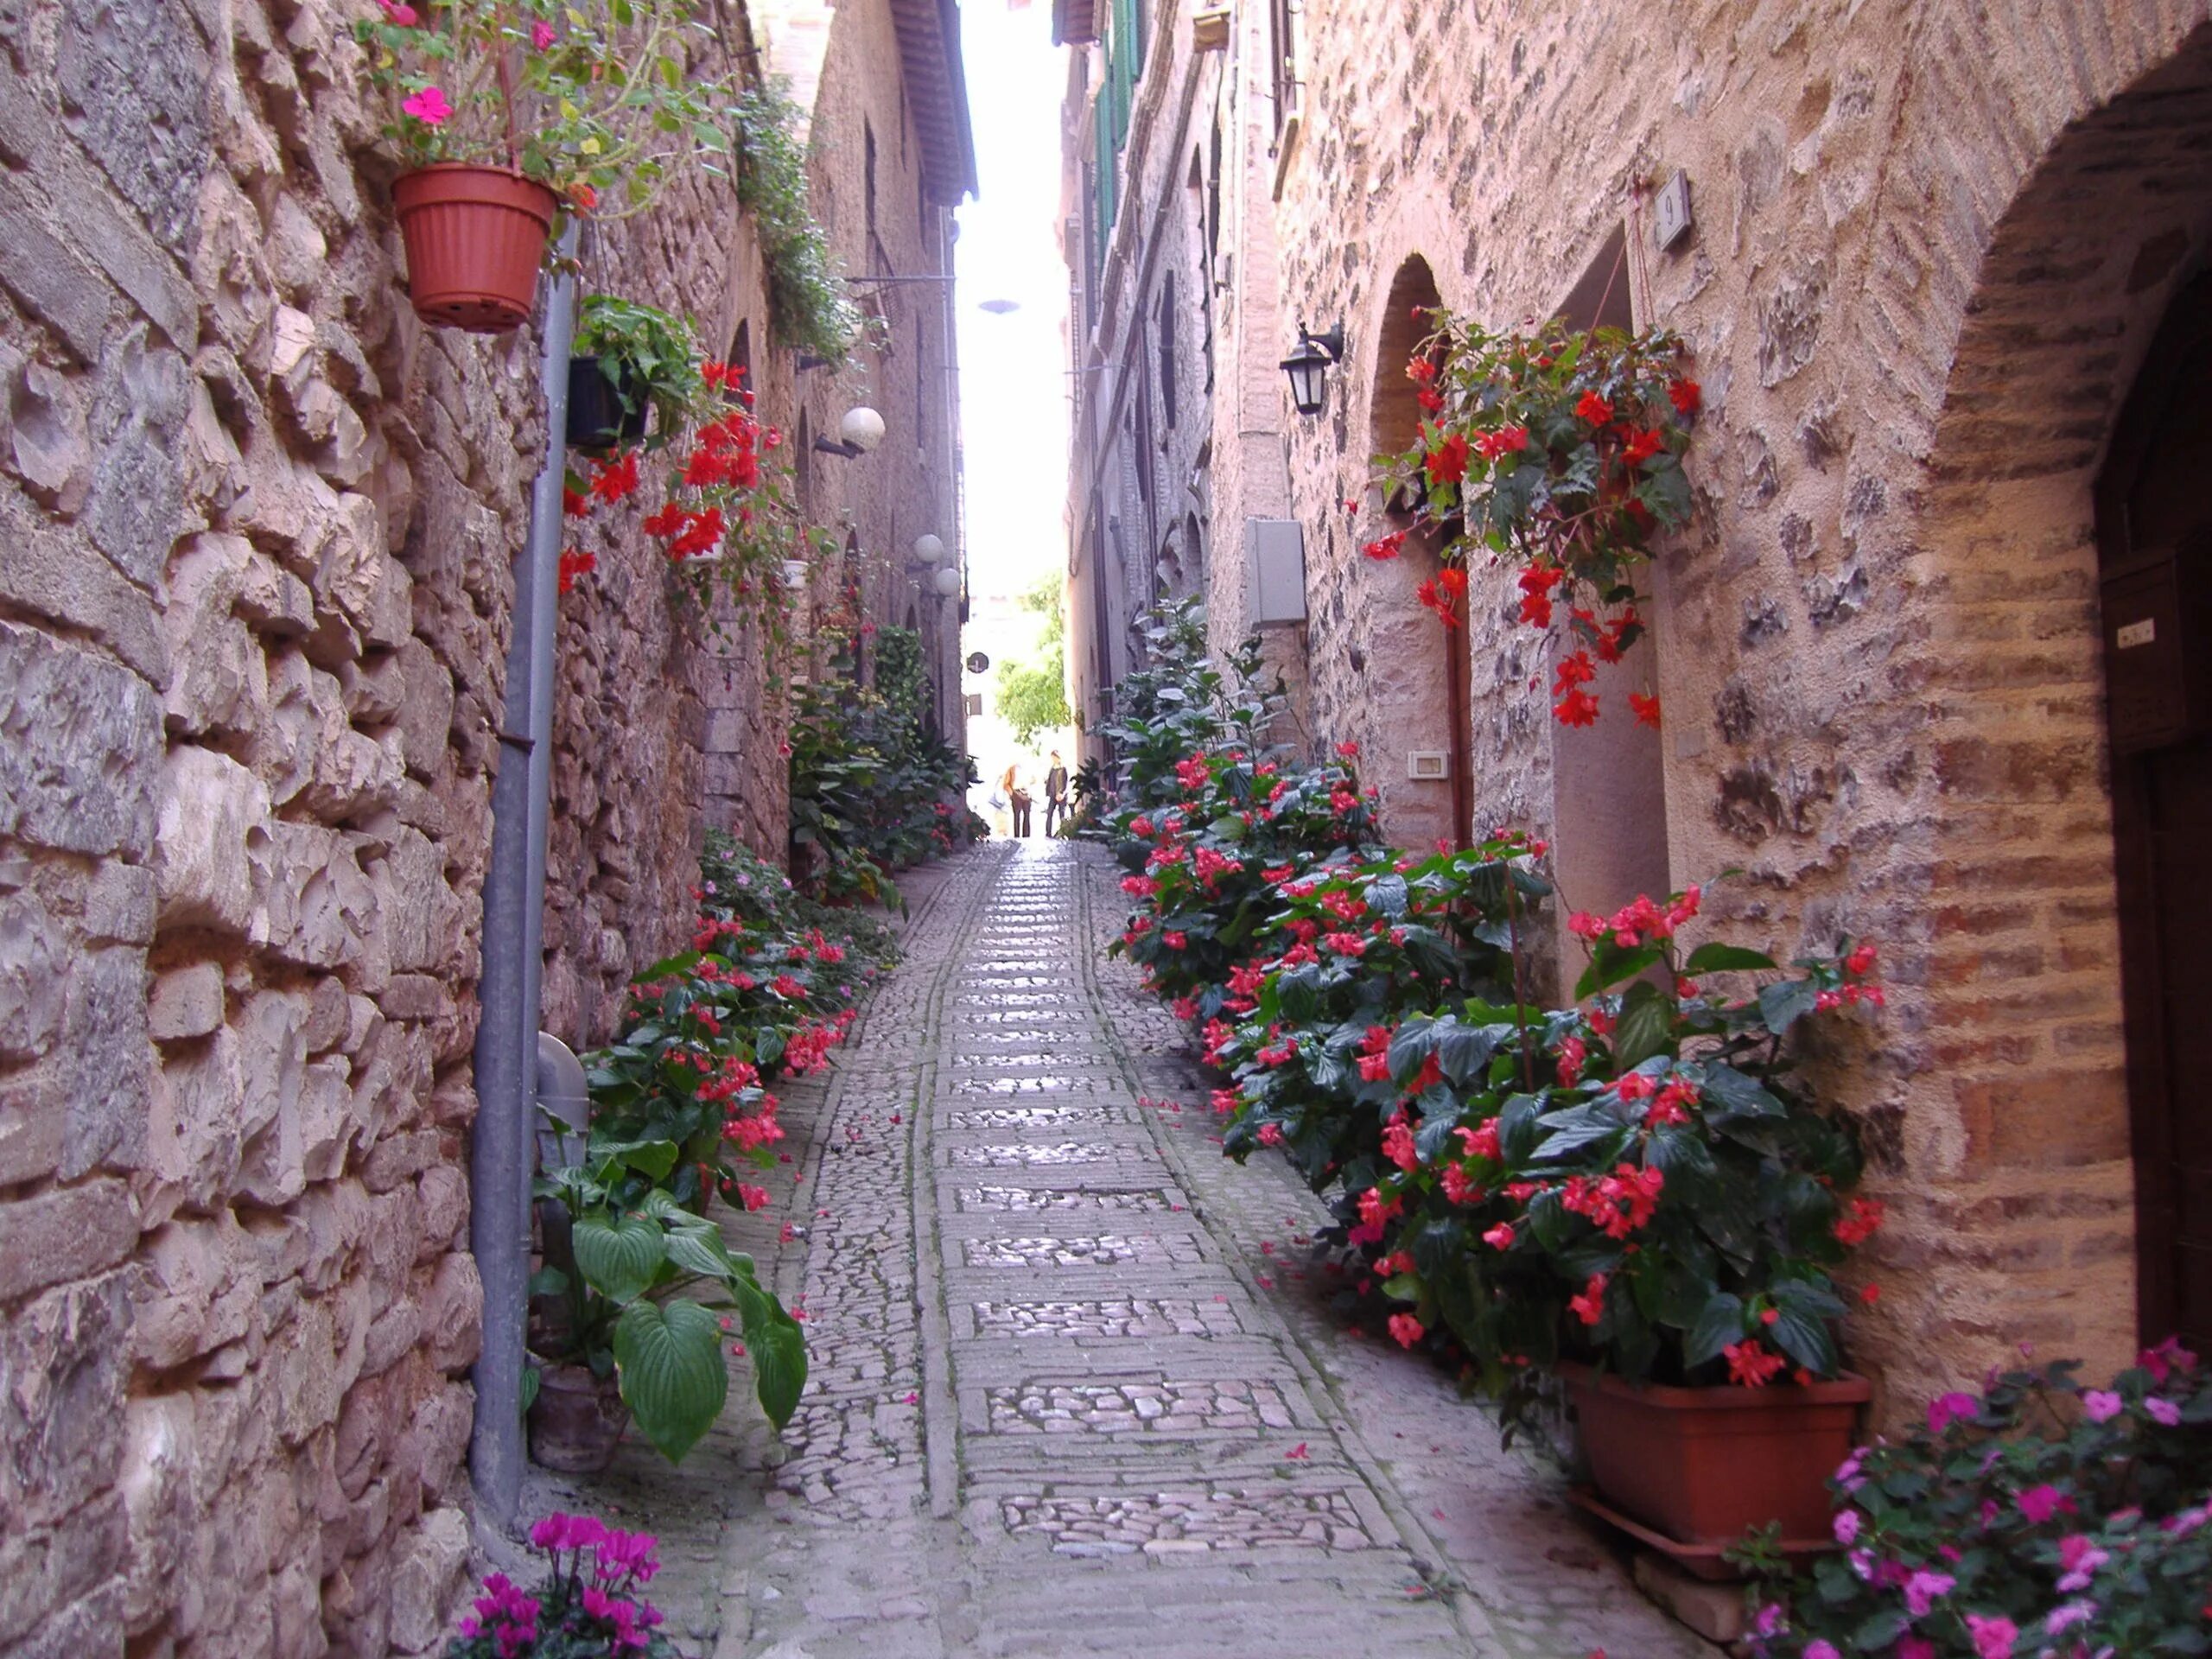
631, 362
1634, 1197
2039, 1516
616, 1328
1560, 454
502, 112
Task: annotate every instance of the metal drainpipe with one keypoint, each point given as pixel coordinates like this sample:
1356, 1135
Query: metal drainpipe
504, 1138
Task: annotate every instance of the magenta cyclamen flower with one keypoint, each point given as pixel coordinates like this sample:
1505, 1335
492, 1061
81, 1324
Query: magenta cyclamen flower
2100, 1405
429, 106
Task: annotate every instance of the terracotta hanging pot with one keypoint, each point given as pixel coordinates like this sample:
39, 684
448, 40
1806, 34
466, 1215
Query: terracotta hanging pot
475, 237
1689, 1470
576, 1420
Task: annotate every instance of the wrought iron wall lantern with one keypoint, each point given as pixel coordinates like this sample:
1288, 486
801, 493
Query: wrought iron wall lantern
1308, 367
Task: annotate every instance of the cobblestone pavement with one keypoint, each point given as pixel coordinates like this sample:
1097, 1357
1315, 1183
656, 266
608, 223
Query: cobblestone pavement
1070, 1392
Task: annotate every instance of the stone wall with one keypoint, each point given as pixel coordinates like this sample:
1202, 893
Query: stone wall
259, 526
1931, 244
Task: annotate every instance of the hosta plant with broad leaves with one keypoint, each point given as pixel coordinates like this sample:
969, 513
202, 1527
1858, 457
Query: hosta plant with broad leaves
639, 1291
2039, 1516
1558, 454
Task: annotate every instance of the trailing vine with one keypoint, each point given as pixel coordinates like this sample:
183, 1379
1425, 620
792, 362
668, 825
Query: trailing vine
807, 301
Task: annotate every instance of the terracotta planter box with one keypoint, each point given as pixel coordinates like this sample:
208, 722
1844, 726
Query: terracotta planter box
1703, 1466
475, 237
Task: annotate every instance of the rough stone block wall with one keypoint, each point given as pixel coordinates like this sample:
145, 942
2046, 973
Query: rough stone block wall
1928, 258
254, 611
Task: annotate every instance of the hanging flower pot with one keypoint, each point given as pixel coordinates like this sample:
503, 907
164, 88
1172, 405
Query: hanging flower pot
607, 408
475, 237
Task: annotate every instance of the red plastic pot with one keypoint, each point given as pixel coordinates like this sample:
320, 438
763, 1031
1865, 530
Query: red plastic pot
475, 237
1703, 1466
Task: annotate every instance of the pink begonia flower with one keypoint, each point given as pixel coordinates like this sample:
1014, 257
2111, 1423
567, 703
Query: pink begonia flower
2100, 1405
1817, 1649
1771, 1620
2080, 1558
1922, 1589
429, 106
398, 12
1945, 1407
542, 35
1916, 1647
1846, 1525
2163, 1410
1993, 1637
2039, 1504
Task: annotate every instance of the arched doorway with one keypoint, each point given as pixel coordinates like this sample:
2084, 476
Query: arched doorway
2054, 1133
1420, 742
2154, 558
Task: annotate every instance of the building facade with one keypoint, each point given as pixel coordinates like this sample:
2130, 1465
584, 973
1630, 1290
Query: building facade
1942, 290
262, 528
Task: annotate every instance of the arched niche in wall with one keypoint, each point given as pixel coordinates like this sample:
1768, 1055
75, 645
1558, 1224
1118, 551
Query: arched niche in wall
740, 353
1609, 780
1412, 669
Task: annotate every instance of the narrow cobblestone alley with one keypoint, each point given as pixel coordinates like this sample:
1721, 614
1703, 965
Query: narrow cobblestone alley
1070, 1393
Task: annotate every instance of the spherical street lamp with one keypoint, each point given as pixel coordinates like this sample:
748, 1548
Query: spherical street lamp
948, 581
862, 429
928, 549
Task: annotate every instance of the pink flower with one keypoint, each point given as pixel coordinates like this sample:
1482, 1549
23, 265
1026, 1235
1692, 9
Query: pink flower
1943, 1410
541, 35
2162, 1410
1816, 1648
2067, 1615
1407, 1329
398, 13
2100, 1405
1500, 1237
1770, 1621
1922, 1589
2080, 1558
1916, 1647
1846, 1525
1993, 1637
429, 106
2039, 1504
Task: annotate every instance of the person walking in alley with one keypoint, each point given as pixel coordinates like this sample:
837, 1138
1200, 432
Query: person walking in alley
1056, 793
1018, 799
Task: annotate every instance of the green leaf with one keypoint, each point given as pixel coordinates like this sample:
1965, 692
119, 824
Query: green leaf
777, 1347
1715, 957
673, 1379
1804, 1339
1646, 1026
548, 1281
1784, 1002
618, 1255
1877, 1633
1386, 896
531, 1377
1724, 1086
1609, 964
700, 1253
1464, 1051
1720, 1325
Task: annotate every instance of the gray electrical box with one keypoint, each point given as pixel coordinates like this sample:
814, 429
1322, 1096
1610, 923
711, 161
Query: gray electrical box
1275, 556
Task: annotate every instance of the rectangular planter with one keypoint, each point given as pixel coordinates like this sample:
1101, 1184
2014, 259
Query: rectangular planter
1704, 1465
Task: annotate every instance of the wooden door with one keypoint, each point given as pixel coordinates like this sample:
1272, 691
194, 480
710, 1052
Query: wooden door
2154, 525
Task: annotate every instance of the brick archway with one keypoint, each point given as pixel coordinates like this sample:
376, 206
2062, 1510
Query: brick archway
2020, 1138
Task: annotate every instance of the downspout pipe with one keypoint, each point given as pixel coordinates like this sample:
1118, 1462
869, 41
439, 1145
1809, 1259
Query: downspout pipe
504, 1138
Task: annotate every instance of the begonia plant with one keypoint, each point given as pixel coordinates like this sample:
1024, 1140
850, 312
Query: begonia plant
1559, 456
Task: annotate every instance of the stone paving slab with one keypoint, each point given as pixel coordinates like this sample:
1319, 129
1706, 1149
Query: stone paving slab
1069, 1391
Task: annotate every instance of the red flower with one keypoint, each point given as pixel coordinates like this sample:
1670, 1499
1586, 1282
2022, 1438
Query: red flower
1431, 402
1448, 462
701, 530
668, 522
1685, 397
615, 481
1536, 585
1861, 960
1590, 1306
1574, 670
1386, 547
1858, 1222
574, 505
1647, 709
1577, 707
1641, 447
1593, 409
575, 564
1750, 1365
1407, 1329
583, 196
1507, 439
1420, 371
